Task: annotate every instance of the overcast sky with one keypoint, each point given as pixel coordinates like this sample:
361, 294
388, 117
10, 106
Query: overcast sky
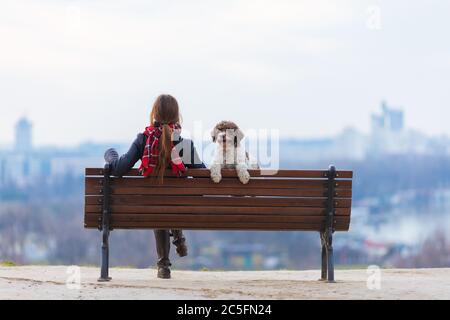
90, 70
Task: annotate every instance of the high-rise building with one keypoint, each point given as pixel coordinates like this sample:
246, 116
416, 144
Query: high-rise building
24, 136
390, 120
388, 131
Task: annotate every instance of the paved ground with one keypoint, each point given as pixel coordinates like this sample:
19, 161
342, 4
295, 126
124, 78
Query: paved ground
49, 282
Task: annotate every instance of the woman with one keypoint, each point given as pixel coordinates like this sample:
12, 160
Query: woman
160, 147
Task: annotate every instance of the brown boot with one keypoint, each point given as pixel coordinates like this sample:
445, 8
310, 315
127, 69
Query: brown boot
163, 272
180, 242
163, 248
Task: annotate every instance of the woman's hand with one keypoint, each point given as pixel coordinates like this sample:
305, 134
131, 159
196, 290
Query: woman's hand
111, 155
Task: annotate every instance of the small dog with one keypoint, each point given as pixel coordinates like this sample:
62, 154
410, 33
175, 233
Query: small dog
230, 154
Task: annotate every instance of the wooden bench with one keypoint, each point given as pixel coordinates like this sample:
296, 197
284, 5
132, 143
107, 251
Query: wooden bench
306, 200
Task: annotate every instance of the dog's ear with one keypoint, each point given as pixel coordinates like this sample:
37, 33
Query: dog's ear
238, 136
214, 133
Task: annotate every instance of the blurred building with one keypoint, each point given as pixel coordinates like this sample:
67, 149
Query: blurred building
24, 136
24, 165
388, 136
390, 120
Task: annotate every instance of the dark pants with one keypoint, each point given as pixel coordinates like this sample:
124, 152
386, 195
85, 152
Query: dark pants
162, 238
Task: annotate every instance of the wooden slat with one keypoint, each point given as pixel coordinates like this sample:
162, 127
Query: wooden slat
220, 226
217, 201
310, 211
344, 174
313, 193
118, 218
225, 183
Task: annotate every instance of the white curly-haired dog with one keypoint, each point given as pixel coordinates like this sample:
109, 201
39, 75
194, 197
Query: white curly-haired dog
230, 154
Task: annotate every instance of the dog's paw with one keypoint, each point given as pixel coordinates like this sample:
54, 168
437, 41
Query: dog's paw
244, 177
216, 178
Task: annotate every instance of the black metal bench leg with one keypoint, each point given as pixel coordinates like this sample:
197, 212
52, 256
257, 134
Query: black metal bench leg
104, 273
105, 226
330, 258
324, 257
328, 230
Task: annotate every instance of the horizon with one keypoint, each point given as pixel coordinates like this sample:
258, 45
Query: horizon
205, 132
10, 145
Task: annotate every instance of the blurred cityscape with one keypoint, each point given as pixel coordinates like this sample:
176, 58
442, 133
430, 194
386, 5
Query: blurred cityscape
401, 208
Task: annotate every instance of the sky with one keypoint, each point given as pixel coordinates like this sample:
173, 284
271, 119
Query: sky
90, 70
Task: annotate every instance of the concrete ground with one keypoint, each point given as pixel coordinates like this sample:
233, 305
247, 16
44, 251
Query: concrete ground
57, 282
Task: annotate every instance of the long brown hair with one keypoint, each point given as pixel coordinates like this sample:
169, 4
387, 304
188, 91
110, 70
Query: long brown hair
165, 110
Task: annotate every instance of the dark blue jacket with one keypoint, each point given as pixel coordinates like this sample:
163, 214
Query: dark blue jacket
121, 165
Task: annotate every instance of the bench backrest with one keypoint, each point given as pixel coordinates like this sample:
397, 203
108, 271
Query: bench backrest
288, 200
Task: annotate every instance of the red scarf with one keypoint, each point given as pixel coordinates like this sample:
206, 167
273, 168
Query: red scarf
151, 151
